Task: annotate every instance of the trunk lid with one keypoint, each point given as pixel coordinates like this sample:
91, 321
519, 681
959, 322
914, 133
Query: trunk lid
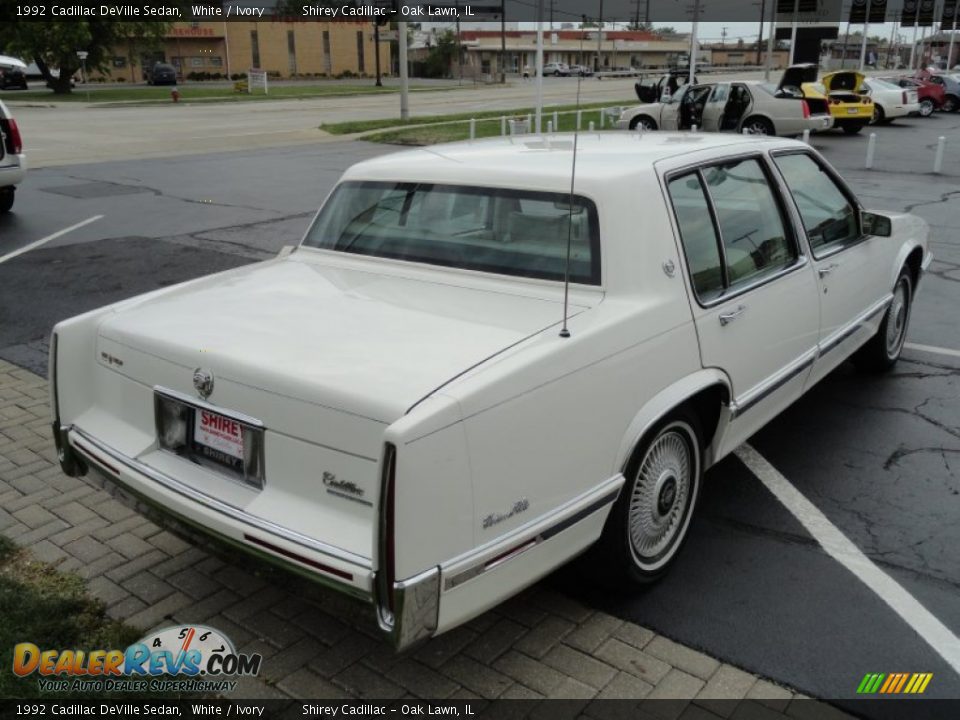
796, 75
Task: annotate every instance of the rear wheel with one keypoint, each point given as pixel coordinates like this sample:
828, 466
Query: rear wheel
649, 522
926, 107
644, 122
7, 195
758, 126
852, 128
883, 350
878, 115
950, 103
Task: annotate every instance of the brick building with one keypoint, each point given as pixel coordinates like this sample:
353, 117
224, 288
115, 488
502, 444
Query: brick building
284, 49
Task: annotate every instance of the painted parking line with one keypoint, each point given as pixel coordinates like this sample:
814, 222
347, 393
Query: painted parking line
932, 349
937, 635
48, 238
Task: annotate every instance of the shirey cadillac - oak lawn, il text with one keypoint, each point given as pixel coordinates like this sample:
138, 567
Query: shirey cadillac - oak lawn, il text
391, 408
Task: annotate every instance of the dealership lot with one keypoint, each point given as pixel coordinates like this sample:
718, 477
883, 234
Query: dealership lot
875, 455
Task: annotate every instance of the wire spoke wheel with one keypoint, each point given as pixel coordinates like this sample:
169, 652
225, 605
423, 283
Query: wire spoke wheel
661, 497
897, 318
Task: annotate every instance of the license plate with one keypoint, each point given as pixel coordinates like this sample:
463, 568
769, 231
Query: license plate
853, 111
219, 438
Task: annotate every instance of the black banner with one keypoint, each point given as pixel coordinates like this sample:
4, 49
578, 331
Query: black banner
868, 11
949, 18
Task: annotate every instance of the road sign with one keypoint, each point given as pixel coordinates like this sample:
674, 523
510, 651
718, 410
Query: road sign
387, 35
82, 54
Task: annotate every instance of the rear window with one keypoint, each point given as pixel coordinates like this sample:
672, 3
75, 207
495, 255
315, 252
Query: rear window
505, 231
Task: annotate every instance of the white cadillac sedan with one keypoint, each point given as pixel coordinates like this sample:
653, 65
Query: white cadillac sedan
396, 408
890, 101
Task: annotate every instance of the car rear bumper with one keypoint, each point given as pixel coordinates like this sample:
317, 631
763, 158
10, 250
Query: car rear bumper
13, 168
184, 510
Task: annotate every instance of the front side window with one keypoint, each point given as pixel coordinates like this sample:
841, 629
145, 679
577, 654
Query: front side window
829, 218
731, 227
510, 232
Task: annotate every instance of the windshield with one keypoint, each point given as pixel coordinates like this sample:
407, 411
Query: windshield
883, 84
510, 232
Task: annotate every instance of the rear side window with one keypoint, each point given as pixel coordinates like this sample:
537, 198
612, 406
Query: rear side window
506, 231
829, 218
731, 226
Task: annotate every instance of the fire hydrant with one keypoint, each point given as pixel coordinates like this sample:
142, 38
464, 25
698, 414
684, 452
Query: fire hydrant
175, 95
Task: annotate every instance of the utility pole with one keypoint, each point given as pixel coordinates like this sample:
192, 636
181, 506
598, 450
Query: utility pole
769, 59
863, 42
693, 42
763, 7
538, 80
376, 50
599, 37
953, 29
913, 45
893, 31
404, 74
793, 32
846, 40
503, 42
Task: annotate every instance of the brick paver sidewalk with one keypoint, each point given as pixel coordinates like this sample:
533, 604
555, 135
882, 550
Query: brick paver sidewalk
322, 645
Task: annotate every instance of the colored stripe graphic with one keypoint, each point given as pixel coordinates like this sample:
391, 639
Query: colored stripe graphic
894, 683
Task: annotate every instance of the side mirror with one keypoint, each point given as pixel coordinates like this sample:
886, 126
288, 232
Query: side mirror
874, 224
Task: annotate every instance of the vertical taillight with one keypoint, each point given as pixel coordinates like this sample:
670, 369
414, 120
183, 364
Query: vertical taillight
905, 97
387, 573
15, 142
806, 108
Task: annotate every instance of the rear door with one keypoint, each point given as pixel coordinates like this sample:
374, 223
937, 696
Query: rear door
754, 294
713, 109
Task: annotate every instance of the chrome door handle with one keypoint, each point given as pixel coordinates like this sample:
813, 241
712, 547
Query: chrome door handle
826, 270
728, 317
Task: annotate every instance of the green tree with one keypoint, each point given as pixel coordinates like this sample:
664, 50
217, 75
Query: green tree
441, 56
54, 44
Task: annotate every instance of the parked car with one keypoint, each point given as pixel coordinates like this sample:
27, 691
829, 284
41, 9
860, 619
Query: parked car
12, 78
557, 69
929, 95
581, 70
13, 162
950, 82
890, 101
162, 74
735, 106
850, 107
399, 409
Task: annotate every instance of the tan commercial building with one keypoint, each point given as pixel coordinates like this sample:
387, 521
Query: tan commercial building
283, 49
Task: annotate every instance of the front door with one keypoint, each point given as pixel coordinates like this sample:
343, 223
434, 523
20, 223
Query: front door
756, 309
851, 267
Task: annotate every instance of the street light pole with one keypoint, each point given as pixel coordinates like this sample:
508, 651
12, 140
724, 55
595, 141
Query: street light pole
376, 50
404, 74
769, 59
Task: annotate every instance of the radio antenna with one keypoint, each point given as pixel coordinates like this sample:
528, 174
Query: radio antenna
565, 331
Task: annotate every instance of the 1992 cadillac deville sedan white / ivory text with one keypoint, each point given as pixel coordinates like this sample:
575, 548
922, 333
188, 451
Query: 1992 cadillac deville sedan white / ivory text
392, 409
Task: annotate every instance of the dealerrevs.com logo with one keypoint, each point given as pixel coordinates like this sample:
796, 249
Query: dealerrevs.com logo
181, 658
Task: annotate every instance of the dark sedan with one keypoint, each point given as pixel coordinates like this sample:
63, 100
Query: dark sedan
12, 79
162, 74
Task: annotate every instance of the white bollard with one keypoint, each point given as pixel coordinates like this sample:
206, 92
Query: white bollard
938, 160
473, 129
806, 136
591, 126
693, 128
503, 125
529, 122
746, 131
603, 116
549, 127
871, 146
579, 119
556, 121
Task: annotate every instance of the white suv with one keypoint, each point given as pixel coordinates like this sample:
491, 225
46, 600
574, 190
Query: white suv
13, 163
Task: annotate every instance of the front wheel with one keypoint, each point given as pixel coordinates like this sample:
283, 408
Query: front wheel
883, 350
950, 103
852, 128
7, 196
926, 107
649, 522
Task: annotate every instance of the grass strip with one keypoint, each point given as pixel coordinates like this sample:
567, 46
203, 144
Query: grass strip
356, 126
51, 609
455, 131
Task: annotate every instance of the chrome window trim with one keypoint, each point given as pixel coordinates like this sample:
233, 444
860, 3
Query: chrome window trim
776, 190
209, 502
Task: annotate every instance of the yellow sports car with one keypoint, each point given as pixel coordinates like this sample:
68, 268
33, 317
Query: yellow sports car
840, 93
850, 107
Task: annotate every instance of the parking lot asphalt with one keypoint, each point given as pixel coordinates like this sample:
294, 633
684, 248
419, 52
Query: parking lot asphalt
877, 455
